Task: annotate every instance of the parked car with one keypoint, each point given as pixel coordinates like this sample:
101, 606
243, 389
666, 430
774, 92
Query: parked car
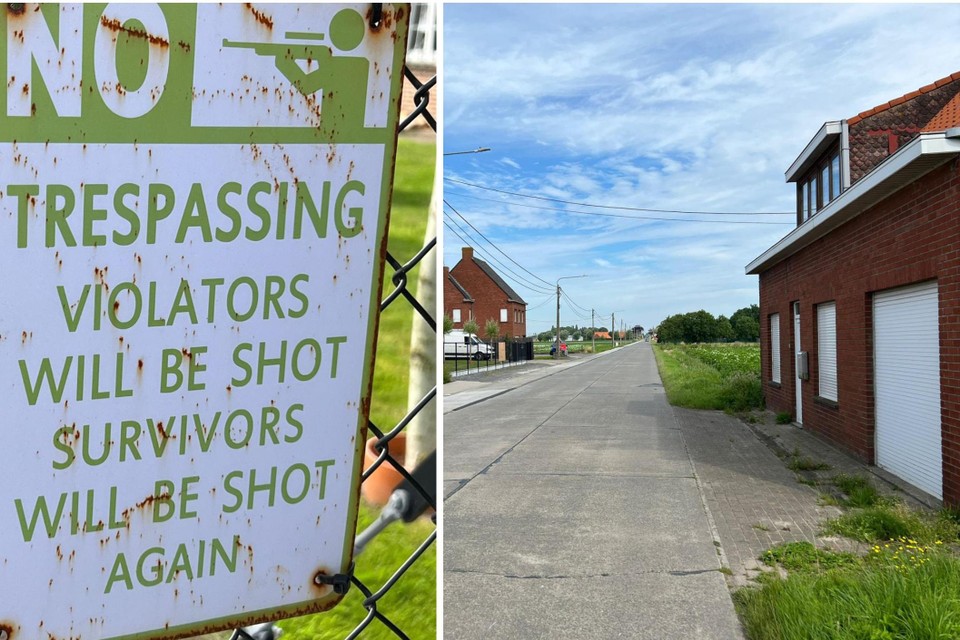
458, 344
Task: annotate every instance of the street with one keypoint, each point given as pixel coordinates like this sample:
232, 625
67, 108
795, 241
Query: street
572, 510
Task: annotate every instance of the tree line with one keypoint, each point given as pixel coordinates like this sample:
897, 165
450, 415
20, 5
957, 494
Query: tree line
702, 326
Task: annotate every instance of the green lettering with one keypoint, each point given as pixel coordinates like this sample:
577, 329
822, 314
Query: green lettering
91, 214
155, 211
229, 211
119, 573
355, 213
195, 215
125, 212
258, 210
25, 194
57, 215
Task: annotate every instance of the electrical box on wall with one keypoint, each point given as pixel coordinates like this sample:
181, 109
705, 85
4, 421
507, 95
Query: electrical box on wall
803, 365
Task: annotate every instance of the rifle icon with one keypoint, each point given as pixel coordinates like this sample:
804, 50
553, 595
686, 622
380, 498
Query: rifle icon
342, 77
284, 54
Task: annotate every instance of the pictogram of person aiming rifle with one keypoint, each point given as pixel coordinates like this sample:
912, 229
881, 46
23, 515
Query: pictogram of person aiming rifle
342, 79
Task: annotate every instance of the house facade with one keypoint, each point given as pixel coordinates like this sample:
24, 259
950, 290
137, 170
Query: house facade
457, 301
860, 303
493, 298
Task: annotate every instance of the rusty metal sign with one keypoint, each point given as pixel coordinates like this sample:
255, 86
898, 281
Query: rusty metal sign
193, 209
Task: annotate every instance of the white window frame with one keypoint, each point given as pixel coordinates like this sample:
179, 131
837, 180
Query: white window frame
827, 350
503, 315
775, 347
456, 315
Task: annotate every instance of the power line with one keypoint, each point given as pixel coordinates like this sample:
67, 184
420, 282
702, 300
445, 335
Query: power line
619, 207
626, 217
494, 245
525, 283
530, 285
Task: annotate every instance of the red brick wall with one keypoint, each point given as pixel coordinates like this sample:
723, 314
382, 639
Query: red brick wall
453, 299
488, 297
910, 237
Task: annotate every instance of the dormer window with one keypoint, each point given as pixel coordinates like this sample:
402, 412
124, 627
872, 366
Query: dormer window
819, 186
818, 171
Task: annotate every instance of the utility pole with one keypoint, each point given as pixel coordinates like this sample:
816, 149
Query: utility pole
613, 328
556, 343
593, 333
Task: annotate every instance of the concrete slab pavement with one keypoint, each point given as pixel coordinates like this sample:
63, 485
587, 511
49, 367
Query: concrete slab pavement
572, 511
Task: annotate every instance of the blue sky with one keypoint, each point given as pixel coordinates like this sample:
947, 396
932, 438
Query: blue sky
681, 107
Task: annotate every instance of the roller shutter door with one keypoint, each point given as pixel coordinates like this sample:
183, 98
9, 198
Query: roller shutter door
907, 385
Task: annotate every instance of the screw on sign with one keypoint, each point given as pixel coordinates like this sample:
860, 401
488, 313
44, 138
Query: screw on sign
196, 209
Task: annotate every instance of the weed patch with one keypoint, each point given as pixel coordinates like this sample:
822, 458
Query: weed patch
804, 557
871, 601
784, 417
806, 463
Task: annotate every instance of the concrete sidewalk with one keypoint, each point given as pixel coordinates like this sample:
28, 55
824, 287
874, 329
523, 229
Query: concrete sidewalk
468, 390
572, 511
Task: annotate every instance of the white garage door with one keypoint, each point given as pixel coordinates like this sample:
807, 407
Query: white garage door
907, 371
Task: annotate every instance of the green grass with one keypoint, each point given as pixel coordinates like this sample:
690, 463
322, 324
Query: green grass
859, 491
716, 376
886, 521
580, 347
885, 599
784, 417
411, 602
803, 557
806, 463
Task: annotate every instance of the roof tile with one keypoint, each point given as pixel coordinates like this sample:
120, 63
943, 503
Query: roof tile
947, 118
909, 96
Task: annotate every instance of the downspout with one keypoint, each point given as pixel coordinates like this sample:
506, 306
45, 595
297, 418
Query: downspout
844, 156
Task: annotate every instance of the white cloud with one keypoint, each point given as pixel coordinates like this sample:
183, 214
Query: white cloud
686, 107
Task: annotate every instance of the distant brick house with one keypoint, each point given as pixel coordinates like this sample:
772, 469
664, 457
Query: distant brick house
457, 302
492, 298
860, 303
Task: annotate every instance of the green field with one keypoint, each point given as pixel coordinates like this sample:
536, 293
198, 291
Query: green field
711, 376
411, 603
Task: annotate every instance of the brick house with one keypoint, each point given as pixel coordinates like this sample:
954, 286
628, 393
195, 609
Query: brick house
493, 298
457, 302
860, 303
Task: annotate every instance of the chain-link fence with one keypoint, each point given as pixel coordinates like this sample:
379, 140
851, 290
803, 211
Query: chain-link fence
417, 493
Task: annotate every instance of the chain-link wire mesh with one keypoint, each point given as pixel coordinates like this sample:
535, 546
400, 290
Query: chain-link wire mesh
394, 303
422, 482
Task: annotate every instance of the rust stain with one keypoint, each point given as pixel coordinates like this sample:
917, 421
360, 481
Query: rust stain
116, 25
16, 9
6, 628
260, 16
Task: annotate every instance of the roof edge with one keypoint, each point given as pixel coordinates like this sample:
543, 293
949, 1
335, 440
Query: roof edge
827, 135
876, 185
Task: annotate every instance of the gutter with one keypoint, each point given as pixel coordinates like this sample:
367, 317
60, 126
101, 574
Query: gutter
922, 155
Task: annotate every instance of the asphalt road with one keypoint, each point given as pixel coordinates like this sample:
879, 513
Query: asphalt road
572, 510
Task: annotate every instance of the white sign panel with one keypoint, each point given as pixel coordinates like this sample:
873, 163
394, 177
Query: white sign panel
193, 204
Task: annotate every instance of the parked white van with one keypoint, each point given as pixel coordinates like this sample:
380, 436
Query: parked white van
458, 344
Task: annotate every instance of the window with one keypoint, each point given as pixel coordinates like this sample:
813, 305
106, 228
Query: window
456, 315
775, 347
820, 186
827, 349
503, 315
422, 40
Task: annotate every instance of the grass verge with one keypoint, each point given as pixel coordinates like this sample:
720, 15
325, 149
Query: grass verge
701, 377
885, 598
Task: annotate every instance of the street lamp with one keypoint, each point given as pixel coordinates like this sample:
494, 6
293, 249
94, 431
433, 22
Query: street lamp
458, 153
557, 342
